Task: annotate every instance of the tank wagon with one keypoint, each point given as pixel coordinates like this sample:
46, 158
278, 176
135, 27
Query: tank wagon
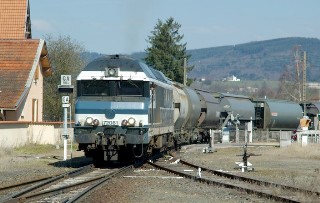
277, 115
125, 110
187, 110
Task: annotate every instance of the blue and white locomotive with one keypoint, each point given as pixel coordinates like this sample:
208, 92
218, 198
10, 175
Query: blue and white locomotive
124, 109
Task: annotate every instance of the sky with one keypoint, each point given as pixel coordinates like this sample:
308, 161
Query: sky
123, 26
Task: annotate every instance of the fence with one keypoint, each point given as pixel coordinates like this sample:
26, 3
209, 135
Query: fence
257, 136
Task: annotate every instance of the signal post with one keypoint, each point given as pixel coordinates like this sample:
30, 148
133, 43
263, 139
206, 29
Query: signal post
65, 88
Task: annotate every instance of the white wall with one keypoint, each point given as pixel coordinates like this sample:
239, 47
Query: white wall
15, 134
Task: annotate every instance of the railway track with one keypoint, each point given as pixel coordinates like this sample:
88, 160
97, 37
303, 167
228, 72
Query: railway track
67, 187
263, 189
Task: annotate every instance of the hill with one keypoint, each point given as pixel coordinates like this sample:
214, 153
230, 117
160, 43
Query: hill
261, 60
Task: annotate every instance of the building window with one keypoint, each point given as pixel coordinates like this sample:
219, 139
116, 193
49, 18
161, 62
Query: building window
34, 110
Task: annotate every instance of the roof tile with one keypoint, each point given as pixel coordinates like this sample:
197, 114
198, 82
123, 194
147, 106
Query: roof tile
16, 60
13, 19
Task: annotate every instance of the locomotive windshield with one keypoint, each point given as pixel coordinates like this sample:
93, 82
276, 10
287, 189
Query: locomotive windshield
112, 88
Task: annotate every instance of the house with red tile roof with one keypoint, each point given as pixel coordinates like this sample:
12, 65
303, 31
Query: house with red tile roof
24, 62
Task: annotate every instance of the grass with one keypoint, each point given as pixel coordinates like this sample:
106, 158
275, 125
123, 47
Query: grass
311, 151
5, 152
35, 149
31, 156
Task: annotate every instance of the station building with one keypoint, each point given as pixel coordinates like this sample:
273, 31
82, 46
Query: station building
24, 62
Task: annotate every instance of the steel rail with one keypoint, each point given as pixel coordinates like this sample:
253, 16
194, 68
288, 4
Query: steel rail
67, 188
20, 196
246, 179
24, 183
226, 185
80, 195
47, 181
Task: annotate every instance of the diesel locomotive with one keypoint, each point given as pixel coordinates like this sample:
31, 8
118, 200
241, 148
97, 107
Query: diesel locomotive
125, 110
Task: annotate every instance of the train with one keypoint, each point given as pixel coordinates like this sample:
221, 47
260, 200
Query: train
126, 110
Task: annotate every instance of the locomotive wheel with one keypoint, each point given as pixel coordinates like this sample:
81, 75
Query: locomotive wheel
155, 152
88, 153
98, 158
126, 155
140, 152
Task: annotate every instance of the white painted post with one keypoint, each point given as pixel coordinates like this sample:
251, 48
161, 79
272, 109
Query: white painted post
199, 172
65, 130
65, 87
237, 133
250, 130
212, 138
246, 133
304, 140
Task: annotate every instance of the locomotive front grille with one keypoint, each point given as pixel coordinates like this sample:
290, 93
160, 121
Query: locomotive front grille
133, 131
109, 131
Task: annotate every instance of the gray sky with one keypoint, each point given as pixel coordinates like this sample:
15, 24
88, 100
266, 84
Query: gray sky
122, 26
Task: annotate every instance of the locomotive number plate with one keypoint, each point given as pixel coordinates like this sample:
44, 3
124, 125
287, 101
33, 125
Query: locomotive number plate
109, 122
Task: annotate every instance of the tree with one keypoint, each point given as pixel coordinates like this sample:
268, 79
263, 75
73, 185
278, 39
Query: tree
265, 92
167, 53
290, 81
288, 86
65, 58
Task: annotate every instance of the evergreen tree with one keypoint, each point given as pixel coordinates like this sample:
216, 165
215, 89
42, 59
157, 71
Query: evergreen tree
167, 53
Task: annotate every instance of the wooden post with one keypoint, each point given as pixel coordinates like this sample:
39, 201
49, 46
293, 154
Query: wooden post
304, 83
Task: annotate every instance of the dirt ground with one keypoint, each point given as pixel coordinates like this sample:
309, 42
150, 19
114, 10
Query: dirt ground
26, 163
294, 165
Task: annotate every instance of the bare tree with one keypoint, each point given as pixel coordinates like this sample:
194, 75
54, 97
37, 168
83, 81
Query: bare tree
265, 92
65, 58
290, 81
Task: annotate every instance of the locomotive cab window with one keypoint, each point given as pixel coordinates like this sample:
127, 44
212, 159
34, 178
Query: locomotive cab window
129, 88
113, 88
93, 88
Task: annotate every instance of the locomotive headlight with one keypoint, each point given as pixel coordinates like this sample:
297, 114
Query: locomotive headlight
131, 121
89, 121
96, 122
124, 122
111, 72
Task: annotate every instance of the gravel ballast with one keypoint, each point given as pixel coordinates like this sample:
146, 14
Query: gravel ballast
294, 165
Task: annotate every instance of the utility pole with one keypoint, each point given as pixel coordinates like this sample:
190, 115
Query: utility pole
297, 58
184, 71
304, 82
